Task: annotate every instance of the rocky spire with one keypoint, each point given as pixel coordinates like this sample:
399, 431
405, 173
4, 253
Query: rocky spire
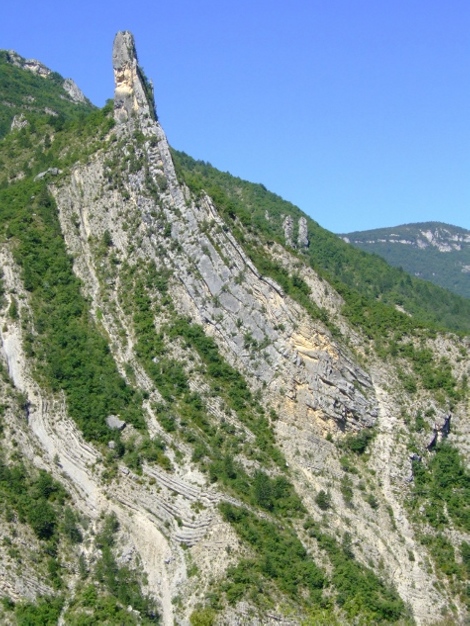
133, 92
303, 233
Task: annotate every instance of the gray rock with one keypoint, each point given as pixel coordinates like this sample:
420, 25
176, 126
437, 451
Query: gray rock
303, 233
115, 423
288, 227
19, 122
133, 94
53, 171
36, 67
73, 90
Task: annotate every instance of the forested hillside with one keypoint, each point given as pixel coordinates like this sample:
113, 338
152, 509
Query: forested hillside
364, 280
434, 251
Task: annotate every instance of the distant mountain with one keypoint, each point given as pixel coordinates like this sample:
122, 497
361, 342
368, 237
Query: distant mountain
434, 251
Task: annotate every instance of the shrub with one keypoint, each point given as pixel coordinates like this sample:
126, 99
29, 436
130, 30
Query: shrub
202, 617
323, 499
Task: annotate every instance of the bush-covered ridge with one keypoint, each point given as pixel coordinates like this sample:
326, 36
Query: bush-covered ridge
412, 231
25, 92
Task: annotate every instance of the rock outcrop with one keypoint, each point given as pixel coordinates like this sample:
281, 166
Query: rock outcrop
288, 227
73, 90
19, 122
303, 233
133, 92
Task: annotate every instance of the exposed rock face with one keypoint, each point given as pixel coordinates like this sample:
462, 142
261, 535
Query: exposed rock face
115, 423
73, 90
303, 359
32, 65
19, 122
303, 233
53, 171
288, 226
36, 67
133, 93
302, 237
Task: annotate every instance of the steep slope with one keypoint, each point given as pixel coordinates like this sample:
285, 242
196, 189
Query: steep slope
362, 279
232, 449
28, 86
434, 251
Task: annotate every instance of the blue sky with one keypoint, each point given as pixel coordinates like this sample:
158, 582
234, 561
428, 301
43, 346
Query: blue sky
355, 110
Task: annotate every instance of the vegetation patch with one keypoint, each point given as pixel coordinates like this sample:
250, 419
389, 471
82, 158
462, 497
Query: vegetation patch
359, 592
281, 558
44, 612
71, 355
443, 486
112, 589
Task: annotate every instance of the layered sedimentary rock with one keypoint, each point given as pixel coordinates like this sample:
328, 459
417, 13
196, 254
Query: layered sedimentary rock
309, 379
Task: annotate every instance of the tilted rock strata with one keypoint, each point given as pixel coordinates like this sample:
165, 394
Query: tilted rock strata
291, 360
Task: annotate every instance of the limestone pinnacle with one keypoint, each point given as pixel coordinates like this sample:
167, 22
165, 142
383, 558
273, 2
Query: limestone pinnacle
133, 91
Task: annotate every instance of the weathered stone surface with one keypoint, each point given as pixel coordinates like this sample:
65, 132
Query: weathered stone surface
75, 93
288, 227
53, 171
19, 122
133, 92
36, 67
115, 423
303, 233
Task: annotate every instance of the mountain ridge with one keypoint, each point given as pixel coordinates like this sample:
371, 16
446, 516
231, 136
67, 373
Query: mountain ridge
417, 247
32, 87
271, 461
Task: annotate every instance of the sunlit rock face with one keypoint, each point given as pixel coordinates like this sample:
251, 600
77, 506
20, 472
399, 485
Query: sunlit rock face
133, 93
155, 258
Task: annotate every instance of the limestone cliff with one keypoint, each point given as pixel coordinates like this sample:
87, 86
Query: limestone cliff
133, 93
256, 402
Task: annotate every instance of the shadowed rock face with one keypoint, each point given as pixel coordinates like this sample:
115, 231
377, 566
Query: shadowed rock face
133, 93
